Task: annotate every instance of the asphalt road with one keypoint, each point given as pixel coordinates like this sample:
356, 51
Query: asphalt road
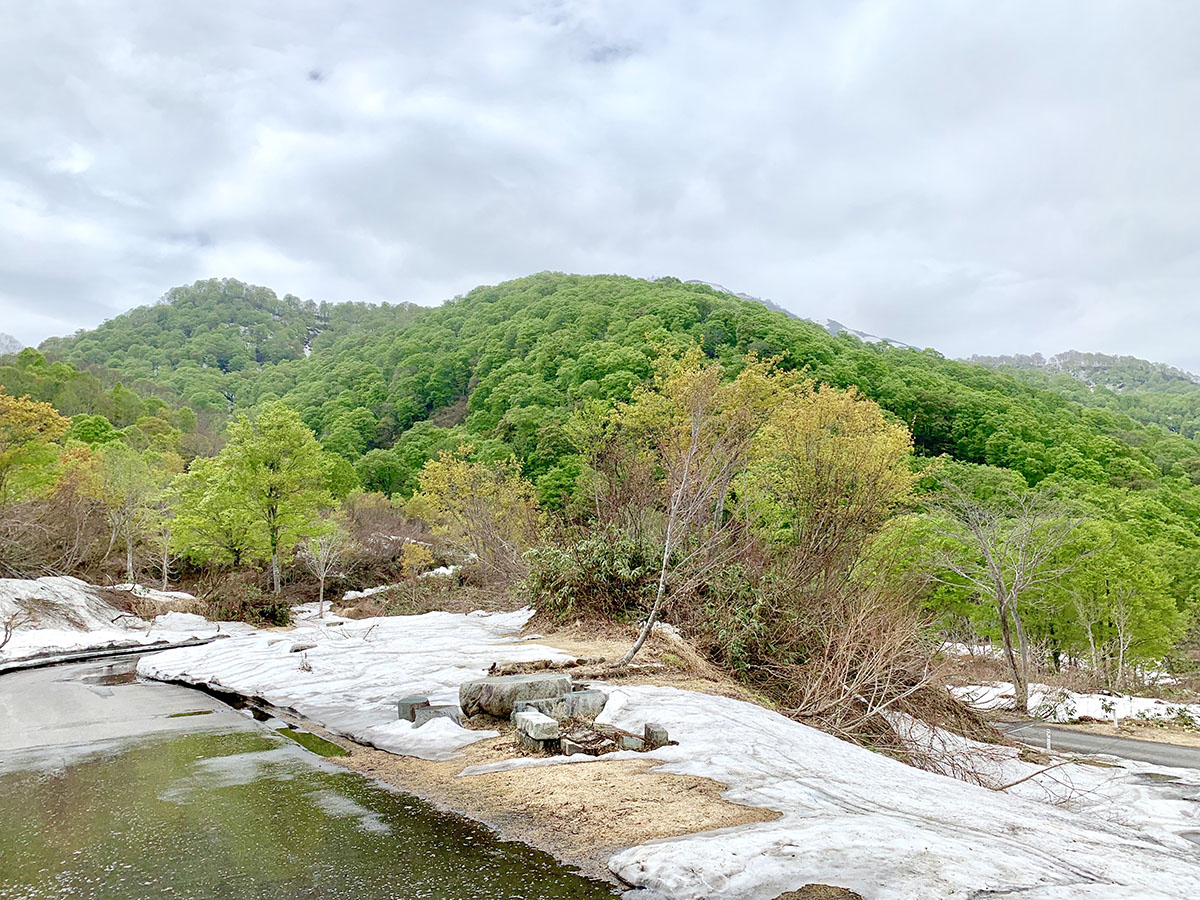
1125, 748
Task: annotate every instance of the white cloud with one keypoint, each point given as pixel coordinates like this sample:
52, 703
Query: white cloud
1012, 178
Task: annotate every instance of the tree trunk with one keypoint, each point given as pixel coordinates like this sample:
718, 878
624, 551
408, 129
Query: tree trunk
129, 558
275, 570
659, 596
321, 599
1020, 687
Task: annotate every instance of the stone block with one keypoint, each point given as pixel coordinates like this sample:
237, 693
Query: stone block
656, 735
536, 725
405, 706
569, 747
547, 746
496, 696
630, 742
554, 707
585, 704
423, 714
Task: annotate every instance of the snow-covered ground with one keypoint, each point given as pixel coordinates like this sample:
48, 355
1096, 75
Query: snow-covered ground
62, 615
849, 816
357, 670
1060, 705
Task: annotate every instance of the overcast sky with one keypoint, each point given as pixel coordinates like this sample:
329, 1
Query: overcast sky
976, 177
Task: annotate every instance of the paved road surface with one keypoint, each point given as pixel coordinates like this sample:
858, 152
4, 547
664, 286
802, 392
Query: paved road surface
1126, 748
58, 710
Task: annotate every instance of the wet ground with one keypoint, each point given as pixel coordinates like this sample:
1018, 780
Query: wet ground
107, 791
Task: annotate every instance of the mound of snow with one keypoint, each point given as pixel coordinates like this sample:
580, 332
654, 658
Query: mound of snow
357, 670
148, 593
60, 614
351, 596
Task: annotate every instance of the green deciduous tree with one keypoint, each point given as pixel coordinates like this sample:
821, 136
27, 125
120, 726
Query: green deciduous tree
274, 464
27, 429
211, 523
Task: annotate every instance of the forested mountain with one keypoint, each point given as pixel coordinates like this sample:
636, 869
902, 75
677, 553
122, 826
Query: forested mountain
1151, 393
206, 340
546, 388
505, 363
103, 409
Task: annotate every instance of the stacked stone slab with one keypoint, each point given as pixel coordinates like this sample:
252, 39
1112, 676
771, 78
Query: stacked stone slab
536, 730
585, 704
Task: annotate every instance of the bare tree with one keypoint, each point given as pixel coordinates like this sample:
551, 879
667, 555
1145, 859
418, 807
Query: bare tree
322, 555
1005, 549
10, 624
700, 432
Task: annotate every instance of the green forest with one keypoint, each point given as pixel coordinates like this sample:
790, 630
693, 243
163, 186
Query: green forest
606, 445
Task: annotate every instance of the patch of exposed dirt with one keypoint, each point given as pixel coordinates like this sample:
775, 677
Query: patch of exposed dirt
820, 892
582, 813
664, 660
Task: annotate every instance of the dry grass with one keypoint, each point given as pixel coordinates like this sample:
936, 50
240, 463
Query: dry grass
416, 596
664, 660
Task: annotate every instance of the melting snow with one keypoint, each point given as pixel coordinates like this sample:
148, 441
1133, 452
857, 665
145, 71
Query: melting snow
1061, 705
849, 816
62, 614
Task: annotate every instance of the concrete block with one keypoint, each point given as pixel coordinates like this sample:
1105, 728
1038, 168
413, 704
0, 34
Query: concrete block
496, 696
656, 735
406, 705
423, 714
631, 742
536, 725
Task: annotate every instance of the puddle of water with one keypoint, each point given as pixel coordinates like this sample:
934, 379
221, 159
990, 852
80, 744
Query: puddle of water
313, 742
249, 815
110, 678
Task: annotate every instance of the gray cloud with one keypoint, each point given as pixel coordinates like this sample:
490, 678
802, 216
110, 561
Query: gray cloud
978, 178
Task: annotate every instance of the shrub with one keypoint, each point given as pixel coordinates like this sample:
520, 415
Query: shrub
606, 574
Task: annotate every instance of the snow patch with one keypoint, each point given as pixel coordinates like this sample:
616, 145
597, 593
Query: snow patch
849, 816
1061, 705
62, 614
357, 671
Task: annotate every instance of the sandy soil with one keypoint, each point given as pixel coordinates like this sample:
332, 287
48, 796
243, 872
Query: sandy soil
581, 813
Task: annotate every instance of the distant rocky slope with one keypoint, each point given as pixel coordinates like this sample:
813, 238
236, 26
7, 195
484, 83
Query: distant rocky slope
833, 326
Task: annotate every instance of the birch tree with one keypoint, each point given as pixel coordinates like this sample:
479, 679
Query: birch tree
322, 554
1005, 550
699, 429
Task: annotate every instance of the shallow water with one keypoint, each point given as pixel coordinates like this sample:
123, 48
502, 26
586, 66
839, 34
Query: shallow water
248, 815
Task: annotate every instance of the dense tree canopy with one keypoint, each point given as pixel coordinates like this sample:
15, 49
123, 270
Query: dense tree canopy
512, 374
